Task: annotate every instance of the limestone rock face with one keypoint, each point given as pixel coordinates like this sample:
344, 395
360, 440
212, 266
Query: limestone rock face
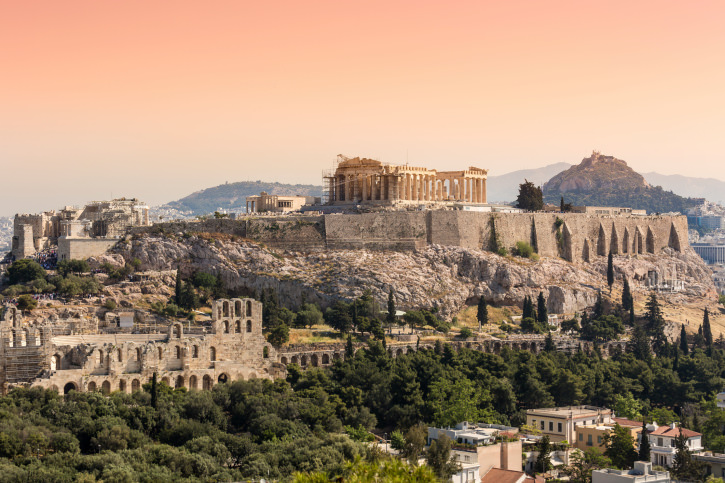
446, 276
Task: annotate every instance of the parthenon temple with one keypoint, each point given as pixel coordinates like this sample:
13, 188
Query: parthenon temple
363, 180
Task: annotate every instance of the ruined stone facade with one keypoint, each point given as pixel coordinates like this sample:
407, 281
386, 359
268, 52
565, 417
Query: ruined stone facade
368, 181
264, 203
96, 220
234, 348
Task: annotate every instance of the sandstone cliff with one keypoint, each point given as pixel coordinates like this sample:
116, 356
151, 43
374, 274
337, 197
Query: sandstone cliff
445, 275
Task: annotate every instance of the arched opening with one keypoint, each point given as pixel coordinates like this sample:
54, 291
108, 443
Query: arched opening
161, 353
178, 352
122, 385
265, 352
249, 308
283, 360
252, 375
212, 353
166, 380
237, 308
313, 360
295, 360
225, 308
179, 382
195, 351
238, 327
106, 387
325, 359
71, 386
226, 326
135, 385
303, 360
207, 383
91, 386
222, 378
120, 355
178, 330
100, 357
399, 352
249, 326
138, 354
192, 382
55, 362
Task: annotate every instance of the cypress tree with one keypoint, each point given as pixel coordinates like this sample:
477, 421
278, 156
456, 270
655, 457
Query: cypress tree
482, 314
390, 318
598, 306
644, 446
526, 310
610, 271
631, 314
549, 345
627, 300
683, 341
349, 349
154, 391
543, 316
561, 205
706, 330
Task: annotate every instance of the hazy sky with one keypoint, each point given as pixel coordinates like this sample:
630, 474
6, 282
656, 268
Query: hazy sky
156, 99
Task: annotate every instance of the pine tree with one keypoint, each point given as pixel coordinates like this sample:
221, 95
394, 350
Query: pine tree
706, 330
598, 306
482, 314
655, 324
543, 316
683, 341
644, 446
627, 300
639, 344
349, 349
177, 288
549, 345
610, 271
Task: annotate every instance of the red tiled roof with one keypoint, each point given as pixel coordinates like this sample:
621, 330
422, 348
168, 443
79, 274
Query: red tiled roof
627, 422
667, 431
497, 475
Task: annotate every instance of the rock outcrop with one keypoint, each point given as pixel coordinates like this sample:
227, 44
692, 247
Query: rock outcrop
446, 276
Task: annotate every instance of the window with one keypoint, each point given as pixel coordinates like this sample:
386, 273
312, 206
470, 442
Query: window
558, 427
659, 442
589, 439
672, 443
551, 426
581, 437
542, 425
599, 440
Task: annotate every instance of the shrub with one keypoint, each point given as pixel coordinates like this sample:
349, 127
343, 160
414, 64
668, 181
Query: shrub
466, 333
109, 304
525, 250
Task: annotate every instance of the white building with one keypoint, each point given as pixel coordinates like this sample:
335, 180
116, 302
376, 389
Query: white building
662, 442
470, 473
641, 473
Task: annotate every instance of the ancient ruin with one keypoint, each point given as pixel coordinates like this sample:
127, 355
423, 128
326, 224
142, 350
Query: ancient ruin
78, 232
54, 355
368, 181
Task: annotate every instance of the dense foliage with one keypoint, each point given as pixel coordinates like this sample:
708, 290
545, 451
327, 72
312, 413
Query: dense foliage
653, 199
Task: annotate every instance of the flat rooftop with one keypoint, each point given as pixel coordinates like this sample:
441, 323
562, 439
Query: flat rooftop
568, 412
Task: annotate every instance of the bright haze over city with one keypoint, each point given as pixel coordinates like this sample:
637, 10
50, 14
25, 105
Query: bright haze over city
158, 99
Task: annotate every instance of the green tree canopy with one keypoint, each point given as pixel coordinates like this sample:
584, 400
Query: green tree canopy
530, 197
25, 270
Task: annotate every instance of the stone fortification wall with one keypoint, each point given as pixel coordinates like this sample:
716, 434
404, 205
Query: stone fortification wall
573, 236
83, 248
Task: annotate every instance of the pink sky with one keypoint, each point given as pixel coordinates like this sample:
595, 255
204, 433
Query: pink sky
159, 99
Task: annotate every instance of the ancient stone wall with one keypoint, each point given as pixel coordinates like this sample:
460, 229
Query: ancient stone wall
81, 248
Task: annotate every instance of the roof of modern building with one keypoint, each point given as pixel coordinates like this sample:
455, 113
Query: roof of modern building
627, 422
674, 432
569, 411
497, 475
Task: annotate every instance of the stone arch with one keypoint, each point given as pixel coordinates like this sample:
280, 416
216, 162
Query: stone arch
295, 360
179, 382
122, 385
283, 360
138, 354
226, 326
314, 360
178, 352
602, 242
212, 354
55, 362
626, 240
160, 352
225, 308
166, 381
650, 240
336, 356
534, 347
192, 382
135, 385
567, 244
207, 383
674, 241
325, 359
223, 377
398, 352
91, 386
252, 375
497, 348
249, 308
303, 360
614, 243
106, 387
119, 353
178, 331
638, 242
237, 308
238, 327
195, 351
249, 326
71, 386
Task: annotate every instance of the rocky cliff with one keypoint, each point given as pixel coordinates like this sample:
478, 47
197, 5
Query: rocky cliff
448, 276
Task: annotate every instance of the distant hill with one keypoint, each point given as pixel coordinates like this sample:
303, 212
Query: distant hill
607, 181
505, 187
708, 188
232, 196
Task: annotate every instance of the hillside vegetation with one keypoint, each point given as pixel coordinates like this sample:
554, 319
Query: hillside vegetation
233, 195
607, 181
